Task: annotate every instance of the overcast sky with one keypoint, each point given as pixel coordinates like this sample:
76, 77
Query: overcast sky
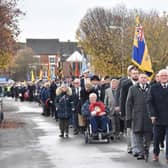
60, 18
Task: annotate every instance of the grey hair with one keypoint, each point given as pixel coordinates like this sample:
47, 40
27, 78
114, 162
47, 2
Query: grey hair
113, 80
163, 71
92, 95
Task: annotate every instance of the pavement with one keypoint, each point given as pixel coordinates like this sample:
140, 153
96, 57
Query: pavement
35, 144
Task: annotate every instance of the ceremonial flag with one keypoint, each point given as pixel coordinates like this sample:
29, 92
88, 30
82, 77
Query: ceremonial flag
140, 55
77, 69
28, 76
41, 74
84, 64
48, 72
32, 75
70, 69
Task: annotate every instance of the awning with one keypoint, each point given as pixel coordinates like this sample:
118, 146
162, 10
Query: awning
75, 57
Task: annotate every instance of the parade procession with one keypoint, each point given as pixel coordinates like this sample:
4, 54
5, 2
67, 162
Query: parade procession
100, 100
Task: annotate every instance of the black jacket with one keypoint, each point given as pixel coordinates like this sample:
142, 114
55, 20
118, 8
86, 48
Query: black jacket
123, 95
158, 104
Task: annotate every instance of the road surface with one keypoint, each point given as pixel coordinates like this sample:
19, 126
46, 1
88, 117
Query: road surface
35, 144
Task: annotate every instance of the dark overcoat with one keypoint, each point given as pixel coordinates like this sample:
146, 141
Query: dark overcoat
64, 103
158, 104
136, 109
126, 84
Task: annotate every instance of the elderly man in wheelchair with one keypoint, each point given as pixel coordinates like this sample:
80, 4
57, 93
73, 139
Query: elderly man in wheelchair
96, 114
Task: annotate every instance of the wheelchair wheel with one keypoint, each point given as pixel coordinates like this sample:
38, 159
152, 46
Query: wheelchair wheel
86, 138
108, 140
146, 154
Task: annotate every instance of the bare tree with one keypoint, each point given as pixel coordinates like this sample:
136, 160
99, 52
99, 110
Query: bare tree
23, 61
104, 45
100, 41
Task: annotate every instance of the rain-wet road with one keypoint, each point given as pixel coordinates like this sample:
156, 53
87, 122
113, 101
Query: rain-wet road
37, 145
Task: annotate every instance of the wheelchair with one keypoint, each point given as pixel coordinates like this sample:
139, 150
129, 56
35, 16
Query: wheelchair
100, 136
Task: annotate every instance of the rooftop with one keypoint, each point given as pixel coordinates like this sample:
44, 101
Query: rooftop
51, 47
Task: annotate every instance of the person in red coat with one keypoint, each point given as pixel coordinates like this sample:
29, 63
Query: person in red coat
97, 109
96, 113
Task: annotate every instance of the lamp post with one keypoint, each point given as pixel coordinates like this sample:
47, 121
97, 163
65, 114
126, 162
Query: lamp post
122, 50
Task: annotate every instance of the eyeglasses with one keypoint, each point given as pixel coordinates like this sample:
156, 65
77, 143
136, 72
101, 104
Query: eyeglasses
164, 75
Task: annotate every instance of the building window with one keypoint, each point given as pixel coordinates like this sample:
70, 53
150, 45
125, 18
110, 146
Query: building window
51, 59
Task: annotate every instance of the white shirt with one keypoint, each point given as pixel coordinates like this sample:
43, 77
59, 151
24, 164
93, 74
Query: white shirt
164, 85
134, 82
143, 86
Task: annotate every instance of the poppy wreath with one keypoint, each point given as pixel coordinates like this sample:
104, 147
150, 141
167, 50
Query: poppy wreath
26, 95
47, 102
98, 108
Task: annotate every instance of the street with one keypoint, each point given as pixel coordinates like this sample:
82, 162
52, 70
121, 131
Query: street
35, 144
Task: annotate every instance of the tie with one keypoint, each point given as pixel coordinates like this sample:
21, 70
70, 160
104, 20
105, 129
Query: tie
77, 91
164, 85
144, 87
113, 91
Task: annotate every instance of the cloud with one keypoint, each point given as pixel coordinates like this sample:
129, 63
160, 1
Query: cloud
60, 18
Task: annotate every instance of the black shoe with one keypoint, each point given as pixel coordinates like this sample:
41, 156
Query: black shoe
76, 132
135, 154
129, 152
162, 145
67, 136
140, 157
94, 134
61, 135
112, 138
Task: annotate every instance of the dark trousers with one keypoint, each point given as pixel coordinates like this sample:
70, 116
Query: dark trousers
98, 122
75, 120
116, 124
53, 110
143, 140
46, 110
64, 125
122, 125
159, 131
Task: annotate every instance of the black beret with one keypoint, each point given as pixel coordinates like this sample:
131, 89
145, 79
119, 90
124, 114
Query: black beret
95, 78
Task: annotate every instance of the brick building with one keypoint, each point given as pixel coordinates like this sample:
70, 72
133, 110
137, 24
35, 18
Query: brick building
52, 54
